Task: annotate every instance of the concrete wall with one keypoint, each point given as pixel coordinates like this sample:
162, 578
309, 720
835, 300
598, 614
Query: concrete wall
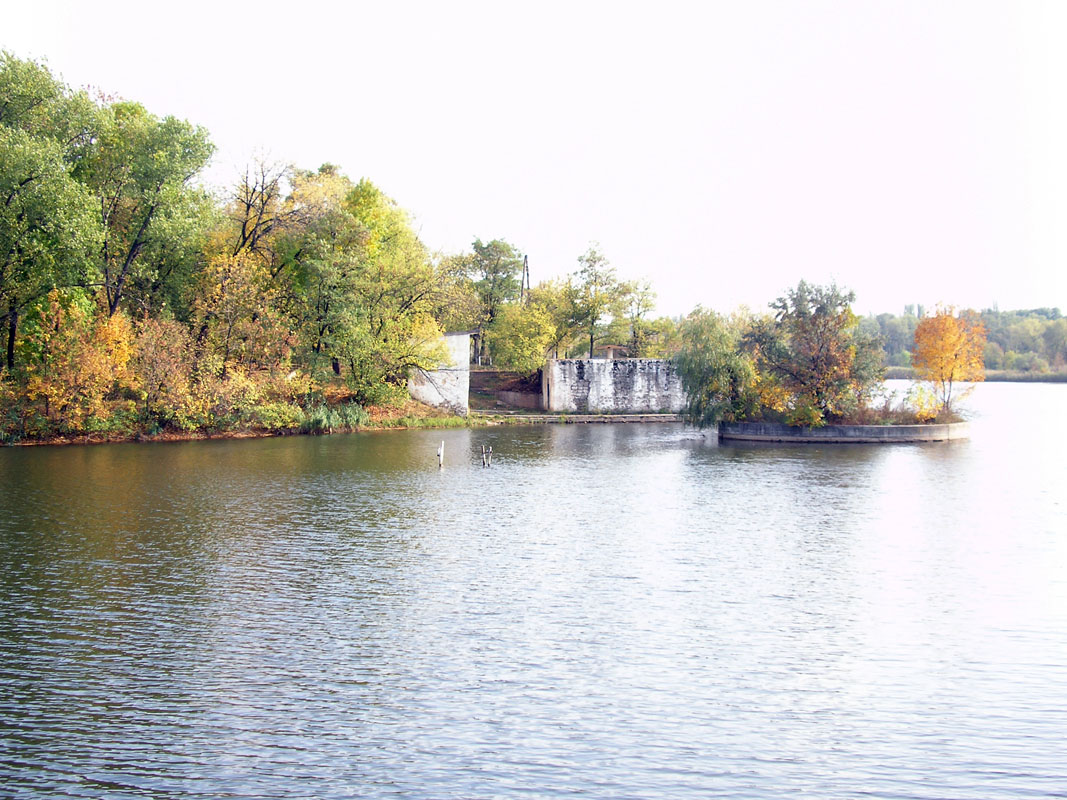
531, 402
448, 386
611, 385
837, 434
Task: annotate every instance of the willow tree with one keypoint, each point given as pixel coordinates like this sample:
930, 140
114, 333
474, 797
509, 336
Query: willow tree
717, 376
949, 350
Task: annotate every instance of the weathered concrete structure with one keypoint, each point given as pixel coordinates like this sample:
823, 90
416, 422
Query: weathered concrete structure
448, 386
611, 385
527, 400
839, 434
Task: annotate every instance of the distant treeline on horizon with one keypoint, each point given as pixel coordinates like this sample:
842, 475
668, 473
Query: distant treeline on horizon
1031, 340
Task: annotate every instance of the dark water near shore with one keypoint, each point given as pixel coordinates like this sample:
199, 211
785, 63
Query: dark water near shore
609, 611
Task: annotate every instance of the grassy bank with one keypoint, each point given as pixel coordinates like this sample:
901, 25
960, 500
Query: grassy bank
269, 420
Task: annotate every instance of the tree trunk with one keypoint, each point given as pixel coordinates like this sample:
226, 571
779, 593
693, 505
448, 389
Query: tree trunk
132, 253
12, 328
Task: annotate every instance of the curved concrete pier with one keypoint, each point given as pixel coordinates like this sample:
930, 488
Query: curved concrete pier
841, 434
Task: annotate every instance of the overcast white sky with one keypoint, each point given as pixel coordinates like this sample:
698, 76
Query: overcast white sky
915, 152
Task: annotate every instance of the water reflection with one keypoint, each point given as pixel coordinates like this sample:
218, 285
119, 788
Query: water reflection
608, 610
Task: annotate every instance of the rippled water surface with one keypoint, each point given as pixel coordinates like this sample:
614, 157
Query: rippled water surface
608, 612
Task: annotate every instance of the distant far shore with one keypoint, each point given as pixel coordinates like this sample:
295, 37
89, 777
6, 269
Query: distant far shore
991, 375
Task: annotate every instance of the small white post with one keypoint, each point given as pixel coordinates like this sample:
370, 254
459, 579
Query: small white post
441, 456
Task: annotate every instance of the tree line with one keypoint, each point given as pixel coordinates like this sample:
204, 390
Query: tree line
811, 361
1032, 341
132, 299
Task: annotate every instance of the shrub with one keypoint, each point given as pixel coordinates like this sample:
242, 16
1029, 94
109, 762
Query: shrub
323, 418
276, 417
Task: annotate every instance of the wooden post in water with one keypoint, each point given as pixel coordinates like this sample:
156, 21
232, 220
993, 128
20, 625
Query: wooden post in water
441, 456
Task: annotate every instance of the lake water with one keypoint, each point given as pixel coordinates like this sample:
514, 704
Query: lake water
607, 612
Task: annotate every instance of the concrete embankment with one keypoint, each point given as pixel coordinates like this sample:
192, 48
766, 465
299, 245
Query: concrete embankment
570, 419
842, 434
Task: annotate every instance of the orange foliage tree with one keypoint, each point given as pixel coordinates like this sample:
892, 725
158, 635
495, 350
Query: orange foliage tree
949, 350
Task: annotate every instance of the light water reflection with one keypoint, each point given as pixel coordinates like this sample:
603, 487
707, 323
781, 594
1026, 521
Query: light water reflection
609, 611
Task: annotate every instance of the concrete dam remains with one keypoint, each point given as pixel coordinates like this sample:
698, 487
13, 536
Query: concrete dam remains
447, 387
611, 385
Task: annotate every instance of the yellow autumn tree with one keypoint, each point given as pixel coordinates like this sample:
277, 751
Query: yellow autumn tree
948, 351
235, 315
163, 367
78, 359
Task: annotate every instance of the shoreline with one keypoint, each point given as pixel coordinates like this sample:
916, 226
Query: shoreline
474, 420
991, 376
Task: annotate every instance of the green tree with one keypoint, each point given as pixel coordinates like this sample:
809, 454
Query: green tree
897, 335
520, 337
322, 248
458, 306
364, 288
48, 232
663, 338
718, 378
37, 103
600, 296
640, 301
1055, 339
496, 269
46, 226
559, 300
396, 294
141, 170
813, 347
